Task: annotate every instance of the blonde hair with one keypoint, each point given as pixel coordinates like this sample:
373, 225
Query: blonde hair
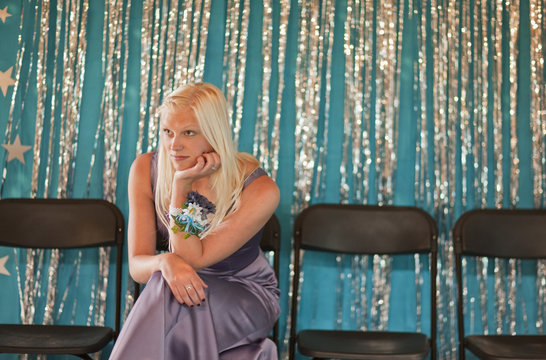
211, 111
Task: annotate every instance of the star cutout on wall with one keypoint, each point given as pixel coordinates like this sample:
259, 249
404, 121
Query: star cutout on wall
16, 150
4, 14
3, 269
6, 80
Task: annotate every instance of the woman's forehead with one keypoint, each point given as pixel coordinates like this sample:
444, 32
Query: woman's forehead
180, 116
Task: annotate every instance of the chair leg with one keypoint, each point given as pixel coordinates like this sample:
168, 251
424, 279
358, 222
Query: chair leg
461, 352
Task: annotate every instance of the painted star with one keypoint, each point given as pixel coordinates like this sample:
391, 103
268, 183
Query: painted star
4, 14
16, 150
6, 80
3, 269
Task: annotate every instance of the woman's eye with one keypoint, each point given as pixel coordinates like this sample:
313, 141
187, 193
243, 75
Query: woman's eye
189, 132
166, 131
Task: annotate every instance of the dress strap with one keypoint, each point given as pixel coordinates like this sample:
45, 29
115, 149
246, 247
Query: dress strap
254, 175
153, 171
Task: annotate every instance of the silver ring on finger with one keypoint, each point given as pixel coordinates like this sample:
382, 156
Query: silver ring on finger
189, 287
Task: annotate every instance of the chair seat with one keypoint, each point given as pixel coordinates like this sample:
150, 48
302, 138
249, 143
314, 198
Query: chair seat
53, 339
507, 346
362, 345
263, 349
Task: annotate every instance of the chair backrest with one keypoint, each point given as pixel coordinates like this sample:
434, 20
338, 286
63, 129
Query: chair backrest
64, 224
366, 230
271, 240
503, 233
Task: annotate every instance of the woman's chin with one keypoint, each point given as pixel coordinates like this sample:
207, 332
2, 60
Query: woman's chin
179, 165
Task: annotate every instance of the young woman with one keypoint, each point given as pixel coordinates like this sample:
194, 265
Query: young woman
213, 295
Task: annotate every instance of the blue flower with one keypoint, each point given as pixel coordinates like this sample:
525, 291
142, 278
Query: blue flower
193, 218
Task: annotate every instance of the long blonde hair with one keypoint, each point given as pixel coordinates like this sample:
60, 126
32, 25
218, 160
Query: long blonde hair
210, 108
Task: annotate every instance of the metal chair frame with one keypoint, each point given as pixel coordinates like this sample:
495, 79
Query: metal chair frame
61, 224
500, 233
366, 230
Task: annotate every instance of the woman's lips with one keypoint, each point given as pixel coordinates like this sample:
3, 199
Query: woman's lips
179, 157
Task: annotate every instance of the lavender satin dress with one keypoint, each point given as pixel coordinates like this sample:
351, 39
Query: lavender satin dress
241, 307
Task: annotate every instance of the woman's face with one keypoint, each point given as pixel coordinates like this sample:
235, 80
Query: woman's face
182, 138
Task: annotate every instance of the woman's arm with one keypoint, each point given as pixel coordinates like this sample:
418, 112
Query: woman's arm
258, 202
143, 260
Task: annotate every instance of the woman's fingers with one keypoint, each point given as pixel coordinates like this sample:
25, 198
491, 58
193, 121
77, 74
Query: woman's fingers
200, 291
185, 292
186, 298
177, 294
190, 294
185, 284
200, 163
205, 165
190, 290
194, 295
212, 161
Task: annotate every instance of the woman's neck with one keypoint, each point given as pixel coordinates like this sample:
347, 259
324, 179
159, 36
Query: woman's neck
202, 186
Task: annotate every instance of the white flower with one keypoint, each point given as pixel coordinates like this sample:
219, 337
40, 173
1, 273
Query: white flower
196, 213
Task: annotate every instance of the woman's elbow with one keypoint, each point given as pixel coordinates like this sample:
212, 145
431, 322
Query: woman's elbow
135, 275
136, 272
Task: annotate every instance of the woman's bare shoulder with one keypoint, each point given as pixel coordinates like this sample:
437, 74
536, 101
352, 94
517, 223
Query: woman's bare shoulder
264, 183
250, 164
139, 175
259, 185
142, 163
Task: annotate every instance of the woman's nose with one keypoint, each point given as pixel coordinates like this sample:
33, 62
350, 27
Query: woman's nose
176, 144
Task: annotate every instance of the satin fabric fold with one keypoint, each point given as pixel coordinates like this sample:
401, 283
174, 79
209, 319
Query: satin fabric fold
234, 321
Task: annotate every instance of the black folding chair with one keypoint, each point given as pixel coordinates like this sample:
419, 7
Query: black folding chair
61, 224
271, 242
366, 230
516, 234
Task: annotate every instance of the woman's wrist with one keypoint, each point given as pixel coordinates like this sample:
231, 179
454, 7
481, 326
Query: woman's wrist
192, 217
179, 193
164, 259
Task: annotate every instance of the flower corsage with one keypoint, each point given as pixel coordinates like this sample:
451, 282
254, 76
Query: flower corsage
192, 217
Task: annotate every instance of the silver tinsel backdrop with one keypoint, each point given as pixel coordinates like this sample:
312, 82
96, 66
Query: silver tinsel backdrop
437, 104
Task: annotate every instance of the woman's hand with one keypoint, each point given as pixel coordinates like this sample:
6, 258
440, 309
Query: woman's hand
205, 165
186, 286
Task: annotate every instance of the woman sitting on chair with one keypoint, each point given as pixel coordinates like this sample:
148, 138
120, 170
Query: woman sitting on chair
213, 295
